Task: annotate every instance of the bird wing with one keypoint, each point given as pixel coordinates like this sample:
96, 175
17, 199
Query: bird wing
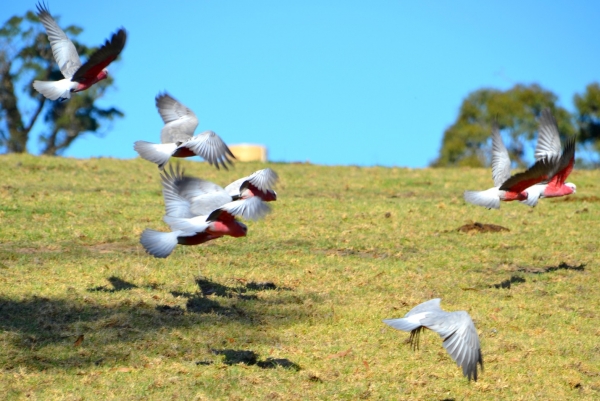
196, 224
211, 148
180, 122
412, 320
250, 209
500, 158
220, 215
233, 189
460, 339
540, 171
548, 143
565, 165
175, 204
102, 57
263, 180
63, 49
191, 187
433, 305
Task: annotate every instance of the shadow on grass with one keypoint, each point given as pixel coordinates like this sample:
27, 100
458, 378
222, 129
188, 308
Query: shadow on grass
548, 269
234, 357
42, 332
117, 283
507, 283
208, 288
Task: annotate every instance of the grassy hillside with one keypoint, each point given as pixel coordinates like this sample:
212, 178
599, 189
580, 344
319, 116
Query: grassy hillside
293, 310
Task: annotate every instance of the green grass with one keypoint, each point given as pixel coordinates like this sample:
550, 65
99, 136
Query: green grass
345, 247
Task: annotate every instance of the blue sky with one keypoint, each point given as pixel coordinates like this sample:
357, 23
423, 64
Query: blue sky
331, 82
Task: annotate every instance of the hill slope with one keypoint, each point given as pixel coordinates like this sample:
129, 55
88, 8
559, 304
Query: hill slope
294, 310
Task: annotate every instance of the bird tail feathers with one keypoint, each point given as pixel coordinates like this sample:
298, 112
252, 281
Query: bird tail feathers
54, 90
154, 152
404, 324
483, 198
159, 244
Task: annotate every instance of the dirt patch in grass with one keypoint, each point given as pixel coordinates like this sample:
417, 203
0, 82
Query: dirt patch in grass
481, 228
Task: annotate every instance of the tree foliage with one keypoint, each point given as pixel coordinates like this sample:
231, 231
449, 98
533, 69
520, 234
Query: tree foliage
588, 115
25, 55
467, 141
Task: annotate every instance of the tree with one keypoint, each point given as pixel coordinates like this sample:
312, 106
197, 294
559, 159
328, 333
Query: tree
467, 141
25, 55
588, 114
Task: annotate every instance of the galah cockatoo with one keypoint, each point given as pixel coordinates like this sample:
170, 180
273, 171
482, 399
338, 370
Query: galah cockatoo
78, 77
455, 328
260, 183
506, 187
187, 197
219, 223
178, 140
548, 146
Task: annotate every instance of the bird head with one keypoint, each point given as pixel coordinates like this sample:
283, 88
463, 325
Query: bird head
239, 229
572, 186
102, 74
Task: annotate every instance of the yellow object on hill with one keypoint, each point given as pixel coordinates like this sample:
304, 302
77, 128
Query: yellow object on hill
245, 152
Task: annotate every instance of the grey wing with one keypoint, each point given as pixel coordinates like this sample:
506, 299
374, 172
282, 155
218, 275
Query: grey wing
63, 49
175, 204
250, 209
500, 158
233, 189
204, 196
190, 187
264, 179
548, 143
460, 338
211, 148
180, 122
433, 305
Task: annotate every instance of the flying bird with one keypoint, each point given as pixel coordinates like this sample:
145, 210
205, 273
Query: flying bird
198, 211
218, 224
549, 147
78, 76
178, 140
187, 197
506, 187
260, 183
455, 328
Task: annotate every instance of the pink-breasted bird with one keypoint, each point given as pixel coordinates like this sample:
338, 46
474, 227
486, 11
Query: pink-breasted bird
178, 140
78, 77
260, 183
187, 197
218, 224
549, 147
506, 187
198, 211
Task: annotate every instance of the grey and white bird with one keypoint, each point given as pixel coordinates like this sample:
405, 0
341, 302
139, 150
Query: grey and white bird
178, 139
188, 197
77, 76
549, 147
194, 226
455, 328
